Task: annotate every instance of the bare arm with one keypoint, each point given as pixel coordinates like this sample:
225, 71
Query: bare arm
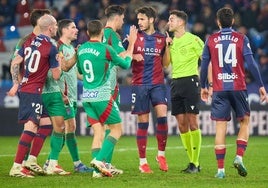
15, 74
66, 65
57, 71
210, 81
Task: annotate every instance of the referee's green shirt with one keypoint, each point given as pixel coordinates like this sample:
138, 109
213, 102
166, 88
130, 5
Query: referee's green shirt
185, 52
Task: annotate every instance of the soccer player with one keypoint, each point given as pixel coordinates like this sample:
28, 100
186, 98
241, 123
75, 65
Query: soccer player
68, 32
227, 50
115, 21
59, 105
184, 51
148, 87
94, 62
39, 55
45, 127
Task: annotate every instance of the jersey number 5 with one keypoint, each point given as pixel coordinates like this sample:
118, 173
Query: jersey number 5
229, 56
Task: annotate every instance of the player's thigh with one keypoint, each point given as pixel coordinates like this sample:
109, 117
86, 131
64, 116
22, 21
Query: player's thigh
105, 112
30, 107
185, 96
116, 96
191, 94
158, 94
159, 99
70, 112
140, 100
177, 106
54, 104
92, 117
176, 95
240, 104
108, 112
220, 106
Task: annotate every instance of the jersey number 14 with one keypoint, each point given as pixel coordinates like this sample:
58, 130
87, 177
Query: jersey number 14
229, 56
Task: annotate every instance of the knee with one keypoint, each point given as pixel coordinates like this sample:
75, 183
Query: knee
116, 131
30, 126
183, 128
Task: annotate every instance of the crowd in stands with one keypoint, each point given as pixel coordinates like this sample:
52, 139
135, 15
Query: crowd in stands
251, 19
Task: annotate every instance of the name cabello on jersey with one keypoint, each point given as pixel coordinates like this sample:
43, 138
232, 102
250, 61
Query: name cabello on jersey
226, 50
225, 37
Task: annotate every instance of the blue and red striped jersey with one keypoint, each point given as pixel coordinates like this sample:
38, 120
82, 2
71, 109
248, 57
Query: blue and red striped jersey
39, 55
150, 70
226, 50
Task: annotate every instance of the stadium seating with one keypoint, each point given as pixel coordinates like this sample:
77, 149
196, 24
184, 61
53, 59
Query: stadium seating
11, 32
23, 13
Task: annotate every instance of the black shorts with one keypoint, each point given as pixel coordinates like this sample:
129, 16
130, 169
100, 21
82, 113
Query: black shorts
185, 95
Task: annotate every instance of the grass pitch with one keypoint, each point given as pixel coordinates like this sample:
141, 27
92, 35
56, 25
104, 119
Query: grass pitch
126, 158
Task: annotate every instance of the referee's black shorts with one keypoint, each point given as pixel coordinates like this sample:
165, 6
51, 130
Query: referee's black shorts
185, 95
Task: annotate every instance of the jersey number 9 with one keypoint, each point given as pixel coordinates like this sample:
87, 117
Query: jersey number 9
87, 65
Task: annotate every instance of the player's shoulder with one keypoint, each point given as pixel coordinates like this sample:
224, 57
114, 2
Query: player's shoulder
159, 34
83, 44
60, 44
52, 41
238, 34
93, 45
107, 46
191, 36
45, 39
196, 40
108, 31
25, 38
81, 47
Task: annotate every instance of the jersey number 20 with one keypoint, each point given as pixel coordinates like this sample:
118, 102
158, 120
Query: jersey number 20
33, 59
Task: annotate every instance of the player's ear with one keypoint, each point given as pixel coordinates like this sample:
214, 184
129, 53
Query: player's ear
151, 20
50, 29
233, 20
218, 23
